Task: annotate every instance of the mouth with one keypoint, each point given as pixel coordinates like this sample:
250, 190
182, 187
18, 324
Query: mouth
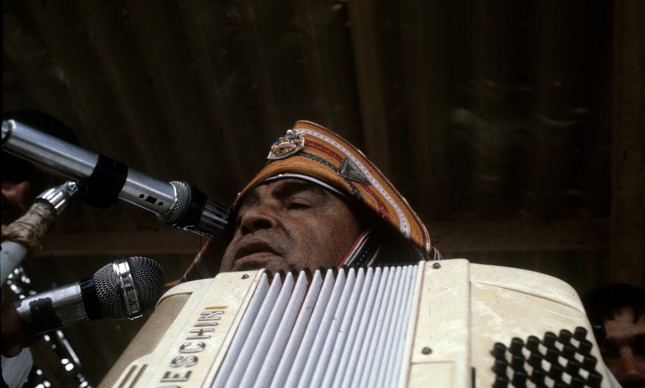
253, 252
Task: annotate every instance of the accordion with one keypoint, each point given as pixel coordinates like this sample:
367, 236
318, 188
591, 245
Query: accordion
447, 323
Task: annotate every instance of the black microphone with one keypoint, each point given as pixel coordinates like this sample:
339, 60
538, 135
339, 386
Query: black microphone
120, 290
103, 180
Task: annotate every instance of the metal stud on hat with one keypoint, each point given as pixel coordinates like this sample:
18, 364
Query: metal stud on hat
286, 146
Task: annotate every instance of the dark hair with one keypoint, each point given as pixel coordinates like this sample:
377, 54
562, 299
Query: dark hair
602, 302
395, 248
17, 170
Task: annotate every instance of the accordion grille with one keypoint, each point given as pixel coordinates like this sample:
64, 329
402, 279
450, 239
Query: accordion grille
339, 328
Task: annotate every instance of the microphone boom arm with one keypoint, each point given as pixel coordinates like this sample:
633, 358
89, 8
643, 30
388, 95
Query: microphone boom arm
103, 181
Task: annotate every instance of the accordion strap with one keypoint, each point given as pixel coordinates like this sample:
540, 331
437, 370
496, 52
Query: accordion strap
364, 251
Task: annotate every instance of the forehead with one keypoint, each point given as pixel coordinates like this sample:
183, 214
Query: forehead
625, 322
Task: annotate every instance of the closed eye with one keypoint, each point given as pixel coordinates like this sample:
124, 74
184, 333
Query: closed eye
299, 202
610, 356
298, 205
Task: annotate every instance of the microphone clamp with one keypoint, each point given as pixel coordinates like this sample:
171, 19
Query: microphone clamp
59, 196
121, 268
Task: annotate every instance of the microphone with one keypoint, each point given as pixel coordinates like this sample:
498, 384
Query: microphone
103, 181
120, 290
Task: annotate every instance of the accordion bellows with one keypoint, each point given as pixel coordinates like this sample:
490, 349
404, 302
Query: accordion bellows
440, 324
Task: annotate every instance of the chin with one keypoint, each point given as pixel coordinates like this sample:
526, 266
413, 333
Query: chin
248, 266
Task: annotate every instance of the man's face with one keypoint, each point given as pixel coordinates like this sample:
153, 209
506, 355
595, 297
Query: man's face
290, 224
624, 348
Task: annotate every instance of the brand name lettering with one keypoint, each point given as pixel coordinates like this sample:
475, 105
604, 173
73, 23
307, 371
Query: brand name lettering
196, 341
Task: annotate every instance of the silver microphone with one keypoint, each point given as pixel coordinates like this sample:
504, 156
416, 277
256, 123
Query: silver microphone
122, 289
103, 181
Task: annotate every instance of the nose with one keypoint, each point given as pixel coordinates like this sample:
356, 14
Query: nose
633, 370
257, 217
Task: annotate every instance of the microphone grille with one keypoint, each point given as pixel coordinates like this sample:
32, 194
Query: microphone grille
184, 198
149, 281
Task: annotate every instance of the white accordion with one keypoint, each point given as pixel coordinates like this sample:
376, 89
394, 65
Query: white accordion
445, 323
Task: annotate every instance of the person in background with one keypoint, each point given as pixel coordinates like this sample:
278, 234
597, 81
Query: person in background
21, 183
618, 310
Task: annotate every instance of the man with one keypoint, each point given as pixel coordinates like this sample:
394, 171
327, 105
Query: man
319, 202
620, 309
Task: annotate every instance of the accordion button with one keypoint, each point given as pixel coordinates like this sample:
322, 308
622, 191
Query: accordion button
519, 378
501, 382
499, 350
552, 355
556, 371
578, 382
568, 352
573, 367
516, 345
580, 333
538, 376
589, 362
517, 362
594, 379
535, 360
500, 367
533, 343
565, 336
585, 347
549, 339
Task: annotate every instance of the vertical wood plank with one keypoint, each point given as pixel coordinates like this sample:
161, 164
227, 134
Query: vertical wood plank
628, 140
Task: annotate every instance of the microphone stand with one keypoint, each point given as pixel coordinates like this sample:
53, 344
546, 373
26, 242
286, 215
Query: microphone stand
56, 342
19, 239
22, 237
103, 181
